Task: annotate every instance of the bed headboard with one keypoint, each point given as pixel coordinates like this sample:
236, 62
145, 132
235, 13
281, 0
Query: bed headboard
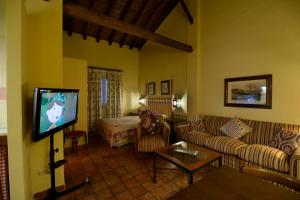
160, 105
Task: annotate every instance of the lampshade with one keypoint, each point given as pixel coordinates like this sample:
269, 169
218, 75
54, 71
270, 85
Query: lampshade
142, 100
176, 102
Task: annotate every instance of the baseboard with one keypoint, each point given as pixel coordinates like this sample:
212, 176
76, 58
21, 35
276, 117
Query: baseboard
44, 194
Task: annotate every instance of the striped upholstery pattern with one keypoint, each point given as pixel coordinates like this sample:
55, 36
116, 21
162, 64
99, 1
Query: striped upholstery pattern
181, 129
262, 133
225, 144
195, 137
213, 123
265, 156
149, 143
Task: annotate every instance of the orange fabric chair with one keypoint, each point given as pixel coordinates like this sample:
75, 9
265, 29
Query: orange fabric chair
151, 133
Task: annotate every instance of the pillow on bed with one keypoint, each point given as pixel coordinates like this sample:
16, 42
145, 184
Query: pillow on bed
149, 123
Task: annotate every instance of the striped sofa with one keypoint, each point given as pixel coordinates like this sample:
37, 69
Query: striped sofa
250, 150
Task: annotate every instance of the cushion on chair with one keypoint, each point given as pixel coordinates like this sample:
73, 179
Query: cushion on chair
265, 156
150, 142
197, 125
235, 128
195, 137
225, 144
73, 134
286, 140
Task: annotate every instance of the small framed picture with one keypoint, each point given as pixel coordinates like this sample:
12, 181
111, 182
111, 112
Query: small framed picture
151, 88
251, 92
165, 87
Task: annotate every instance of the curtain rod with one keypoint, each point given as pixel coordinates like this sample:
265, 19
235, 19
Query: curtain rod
118, 70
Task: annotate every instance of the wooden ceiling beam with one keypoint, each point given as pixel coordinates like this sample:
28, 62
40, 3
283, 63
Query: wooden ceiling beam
86, 25
187, 11
143, 10
122, 16
108, 10
173, 4
70, 28
153, 17
84, 14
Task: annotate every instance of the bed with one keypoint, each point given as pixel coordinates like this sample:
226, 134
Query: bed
118, 131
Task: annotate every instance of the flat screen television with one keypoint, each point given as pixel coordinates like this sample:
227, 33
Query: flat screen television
53, 110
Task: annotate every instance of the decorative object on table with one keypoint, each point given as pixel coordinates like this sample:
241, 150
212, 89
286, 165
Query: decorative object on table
235, 128
251, 91
165, 87
176, 102
151, 88
286, 140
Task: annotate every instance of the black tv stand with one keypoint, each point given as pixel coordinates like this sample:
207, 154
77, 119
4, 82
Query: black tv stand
53, 194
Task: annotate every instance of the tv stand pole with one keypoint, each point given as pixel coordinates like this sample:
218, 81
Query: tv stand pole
53, 194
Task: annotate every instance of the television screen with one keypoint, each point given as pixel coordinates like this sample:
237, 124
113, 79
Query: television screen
54, 109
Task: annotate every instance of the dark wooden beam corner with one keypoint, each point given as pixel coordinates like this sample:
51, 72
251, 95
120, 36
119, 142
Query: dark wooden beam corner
152, 19
108, 10
187, 11
136, 20
172, 5
86, 25
84, 14
122, 16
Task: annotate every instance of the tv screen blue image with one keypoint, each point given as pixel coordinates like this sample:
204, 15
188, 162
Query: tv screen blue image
54, 109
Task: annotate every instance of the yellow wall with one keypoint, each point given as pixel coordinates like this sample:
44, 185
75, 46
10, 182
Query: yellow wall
19, 177
103, 55
75, 77
252, 37
3, 105
44, 69
159, 62
34, 59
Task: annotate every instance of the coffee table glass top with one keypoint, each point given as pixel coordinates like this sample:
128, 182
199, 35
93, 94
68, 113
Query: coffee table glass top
188, 155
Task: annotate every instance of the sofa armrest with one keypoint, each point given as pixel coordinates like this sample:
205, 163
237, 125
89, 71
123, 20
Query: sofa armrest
182, 129
294, 164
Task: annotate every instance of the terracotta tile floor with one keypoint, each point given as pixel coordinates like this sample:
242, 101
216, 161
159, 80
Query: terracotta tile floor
117, 173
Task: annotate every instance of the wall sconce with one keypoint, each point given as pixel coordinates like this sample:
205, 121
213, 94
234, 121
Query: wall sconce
176, 102
142, 100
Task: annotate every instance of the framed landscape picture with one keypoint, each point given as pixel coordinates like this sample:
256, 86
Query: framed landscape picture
151, 88
251, 91
165, 87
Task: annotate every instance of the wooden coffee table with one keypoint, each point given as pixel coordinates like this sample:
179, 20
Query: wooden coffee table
189, 163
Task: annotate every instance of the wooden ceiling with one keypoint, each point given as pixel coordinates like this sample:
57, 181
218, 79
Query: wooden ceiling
126, 22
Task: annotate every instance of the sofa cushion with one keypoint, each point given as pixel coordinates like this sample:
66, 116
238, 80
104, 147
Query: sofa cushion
195, 137
265, 156
287, 141
225, 144
235, 128
197, 125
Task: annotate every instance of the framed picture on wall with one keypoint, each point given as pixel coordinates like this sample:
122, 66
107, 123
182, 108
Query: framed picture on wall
251, 92
151, 88
165, 87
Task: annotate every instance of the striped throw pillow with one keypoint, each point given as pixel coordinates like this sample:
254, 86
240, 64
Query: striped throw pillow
198, 125
235, 128
285, 140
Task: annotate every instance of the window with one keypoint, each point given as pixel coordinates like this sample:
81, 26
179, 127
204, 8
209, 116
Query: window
104, 91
